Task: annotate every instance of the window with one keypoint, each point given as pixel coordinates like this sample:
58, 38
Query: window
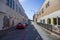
16, 7
54, 21
49, 21
19, 10
7, 2
58, 21
42, 10
44, 21
11, 3
47, 4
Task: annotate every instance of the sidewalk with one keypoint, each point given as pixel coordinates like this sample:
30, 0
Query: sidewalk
46, 35
54, 34
5, 31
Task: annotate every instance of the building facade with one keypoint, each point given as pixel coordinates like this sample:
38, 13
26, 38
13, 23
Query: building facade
11, 12
49, 13
35, 18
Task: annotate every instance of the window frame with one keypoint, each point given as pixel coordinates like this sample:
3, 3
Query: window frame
7, 2
48, 21
13, 4
48, 4
42, 10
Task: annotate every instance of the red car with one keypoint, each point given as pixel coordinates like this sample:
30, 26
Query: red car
20, 25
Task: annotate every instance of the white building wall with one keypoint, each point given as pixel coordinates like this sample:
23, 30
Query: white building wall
1, 22
9, 12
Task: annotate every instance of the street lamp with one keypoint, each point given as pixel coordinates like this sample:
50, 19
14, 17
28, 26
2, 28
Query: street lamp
33, 14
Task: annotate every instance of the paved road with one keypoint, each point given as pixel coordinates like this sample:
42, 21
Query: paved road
29, 33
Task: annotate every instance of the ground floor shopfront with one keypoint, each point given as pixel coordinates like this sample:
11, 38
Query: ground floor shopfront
9, 20
51, 19
5, 21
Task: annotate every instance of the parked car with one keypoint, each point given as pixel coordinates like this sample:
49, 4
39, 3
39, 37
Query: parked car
26, 22
20, 25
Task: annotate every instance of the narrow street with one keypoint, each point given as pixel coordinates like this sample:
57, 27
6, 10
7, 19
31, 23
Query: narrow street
29, 20
31, 32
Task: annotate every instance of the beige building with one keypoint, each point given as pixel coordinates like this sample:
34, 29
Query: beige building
35, 18
49, 13
11, 12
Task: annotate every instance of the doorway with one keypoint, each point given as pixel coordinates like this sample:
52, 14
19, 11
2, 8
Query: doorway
6, 22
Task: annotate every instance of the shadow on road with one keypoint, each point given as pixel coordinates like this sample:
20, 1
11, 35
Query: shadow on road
32, 33
28, 33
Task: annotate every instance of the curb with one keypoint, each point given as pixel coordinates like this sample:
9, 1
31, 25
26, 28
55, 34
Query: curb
2, 33
51, 32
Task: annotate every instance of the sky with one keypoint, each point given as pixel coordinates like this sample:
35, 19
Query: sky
31, 6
